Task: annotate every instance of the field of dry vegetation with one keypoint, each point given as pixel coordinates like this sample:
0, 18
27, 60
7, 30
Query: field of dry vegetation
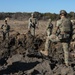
22, 26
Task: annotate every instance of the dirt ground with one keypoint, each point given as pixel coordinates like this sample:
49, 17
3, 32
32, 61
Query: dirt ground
20, 54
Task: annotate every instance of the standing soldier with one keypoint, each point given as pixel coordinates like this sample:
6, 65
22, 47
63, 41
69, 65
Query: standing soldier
73, 38
49, 28
5, 31
64, 25
32, 24
73, 34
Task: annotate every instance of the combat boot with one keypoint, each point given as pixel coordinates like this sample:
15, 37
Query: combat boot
45, 52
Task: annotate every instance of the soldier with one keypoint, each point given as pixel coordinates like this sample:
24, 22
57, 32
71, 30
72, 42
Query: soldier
64, 25
32, 24
49, 28
6, 29
73, 34
73, 37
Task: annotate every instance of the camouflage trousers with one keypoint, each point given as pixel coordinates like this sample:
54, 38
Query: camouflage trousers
49, 32
5, 35
65, 46
32, 30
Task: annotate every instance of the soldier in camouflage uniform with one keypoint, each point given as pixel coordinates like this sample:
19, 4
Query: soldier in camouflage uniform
73, 34
32, 24
5, 30
49, 28
73, 37
64, 25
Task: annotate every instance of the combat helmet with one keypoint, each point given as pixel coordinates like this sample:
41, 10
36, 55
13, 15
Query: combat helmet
5, 19
32, 14
63, 12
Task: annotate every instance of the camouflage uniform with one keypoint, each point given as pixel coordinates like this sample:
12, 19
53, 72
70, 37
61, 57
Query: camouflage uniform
49, 28
55, 38
6, 29
73, 35
32, 24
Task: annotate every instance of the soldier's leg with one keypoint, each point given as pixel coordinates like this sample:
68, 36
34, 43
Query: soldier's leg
66, 53
33, 31
16, 42
48, 32
45, 52
52, 38
7, 36
7, 39
47, 43
4, 36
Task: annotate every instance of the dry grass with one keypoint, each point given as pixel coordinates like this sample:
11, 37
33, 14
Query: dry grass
22, 26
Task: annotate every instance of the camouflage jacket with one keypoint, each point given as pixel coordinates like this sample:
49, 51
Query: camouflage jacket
5, 27
32, 23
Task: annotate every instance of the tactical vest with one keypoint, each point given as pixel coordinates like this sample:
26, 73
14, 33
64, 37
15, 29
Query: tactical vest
33, 20
6, 28
65, 25
65, 28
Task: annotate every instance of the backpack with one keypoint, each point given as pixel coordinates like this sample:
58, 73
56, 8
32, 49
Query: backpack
66, 27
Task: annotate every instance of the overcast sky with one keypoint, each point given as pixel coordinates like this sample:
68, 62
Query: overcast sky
53, 6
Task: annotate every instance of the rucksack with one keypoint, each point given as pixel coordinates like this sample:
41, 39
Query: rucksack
66, 25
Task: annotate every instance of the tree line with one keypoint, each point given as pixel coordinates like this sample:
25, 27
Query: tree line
40, 16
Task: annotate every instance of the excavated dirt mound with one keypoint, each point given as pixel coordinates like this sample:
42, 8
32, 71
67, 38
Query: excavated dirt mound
20, 55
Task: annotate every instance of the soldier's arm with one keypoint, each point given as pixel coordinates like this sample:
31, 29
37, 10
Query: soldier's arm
56, 27
37, 23
29, 25
2, 26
